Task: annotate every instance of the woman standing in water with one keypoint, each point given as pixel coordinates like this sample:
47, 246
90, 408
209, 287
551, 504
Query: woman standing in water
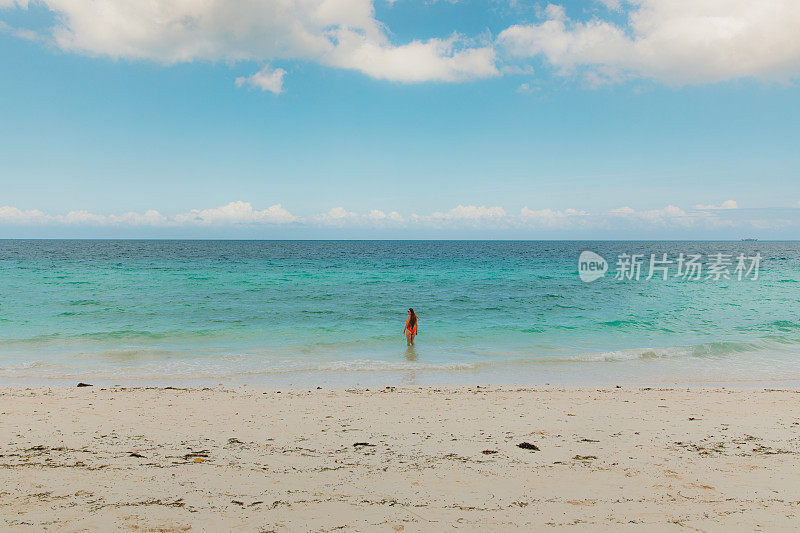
411, 327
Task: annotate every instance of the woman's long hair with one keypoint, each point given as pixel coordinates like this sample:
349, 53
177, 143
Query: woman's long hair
412, 320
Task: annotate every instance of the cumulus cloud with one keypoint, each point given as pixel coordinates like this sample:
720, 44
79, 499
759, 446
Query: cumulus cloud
21, 33
524, 88
266, 79
236, 213
676, 41
552, 218
151, 217
727, 204
461, 216
378, 216
337, 33
14, 216
242, 214
340, 217
469, 213
231, 214
669, 215
673, 41
674, 217
433, 60
614, 5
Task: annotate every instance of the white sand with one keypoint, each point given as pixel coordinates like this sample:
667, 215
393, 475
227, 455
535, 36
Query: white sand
253, 460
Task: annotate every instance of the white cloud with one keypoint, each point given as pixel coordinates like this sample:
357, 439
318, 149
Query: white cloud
432, 60
14, 216
21, 33
551, 218
471, 212
675, 217
266, 79
462, 217
377, 215
339, 33
669, 215
151, 217
340, 217
336, 217
81, 217
614, 5
677, 41
727, 204
236, 213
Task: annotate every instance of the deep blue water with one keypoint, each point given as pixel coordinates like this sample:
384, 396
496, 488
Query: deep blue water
333, 311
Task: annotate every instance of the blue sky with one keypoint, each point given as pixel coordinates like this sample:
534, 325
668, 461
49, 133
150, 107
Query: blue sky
406, 119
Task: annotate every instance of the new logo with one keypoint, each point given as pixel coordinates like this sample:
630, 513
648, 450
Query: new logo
591, 266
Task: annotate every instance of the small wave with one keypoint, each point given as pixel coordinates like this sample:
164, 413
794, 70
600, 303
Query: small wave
552, 295
713, 349
626, 323
784, 325
356, 365
128, 335
780, 339
632, 354
84, 302
227, 367
533, 329
29, 369
776, 326
725, 348
123, 334
134, 355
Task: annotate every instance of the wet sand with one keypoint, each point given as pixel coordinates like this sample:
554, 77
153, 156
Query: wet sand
417, 459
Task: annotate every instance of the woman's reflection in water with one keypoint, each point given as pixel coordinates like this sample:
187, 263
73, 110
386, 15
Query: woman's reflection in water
410, 376
411, 354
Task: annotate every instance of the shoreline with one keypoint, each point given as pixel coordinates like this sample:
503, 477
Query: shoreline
375, 380
394, 459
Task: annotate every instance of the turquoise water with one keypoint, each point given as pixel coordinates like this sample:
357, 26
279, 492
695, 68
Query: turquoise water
332, 312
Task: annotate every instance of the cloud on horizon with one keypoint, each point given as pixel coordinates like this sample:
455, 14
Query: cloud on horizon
727, 204
240, 214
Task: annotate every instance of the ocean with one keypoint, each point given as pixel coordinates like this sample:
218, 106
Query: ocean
331, 313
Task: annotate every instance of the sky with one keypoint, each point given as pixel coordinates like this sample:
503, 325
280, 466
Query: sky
582, 119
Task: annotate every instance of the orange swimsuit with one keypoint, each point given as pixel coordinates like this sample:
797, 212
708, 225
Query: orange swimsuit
412, 331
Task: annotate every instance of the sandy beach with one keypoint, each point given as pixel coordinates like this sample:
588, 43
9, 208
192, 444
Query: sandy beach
429, 459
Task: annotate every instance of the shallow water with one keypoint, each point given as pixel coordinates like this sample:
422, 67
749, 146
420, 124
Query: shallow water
276, 312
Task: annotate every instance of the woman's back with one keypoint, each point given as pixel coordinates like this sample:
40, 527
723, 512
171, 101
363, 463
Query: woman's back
411, 327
